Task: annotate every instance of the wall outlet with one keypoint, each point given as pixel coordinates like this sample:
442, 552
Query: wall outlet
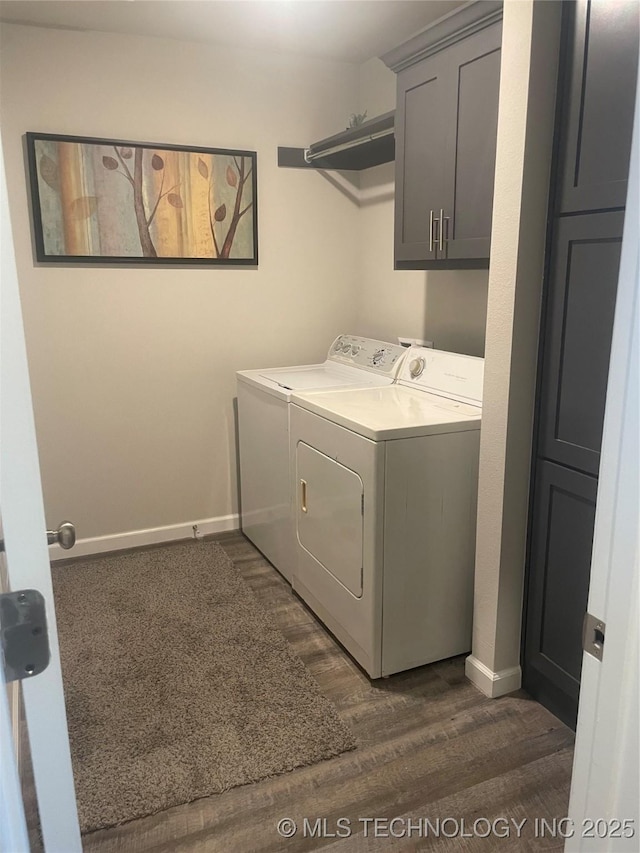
408, 342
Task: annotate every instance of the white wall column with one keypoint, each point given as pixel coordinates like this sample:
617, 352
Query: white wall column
531, 31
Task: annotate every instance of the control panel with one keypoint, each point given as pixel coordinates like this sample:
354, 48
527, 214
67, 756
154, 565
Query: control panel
378, 356
447, 374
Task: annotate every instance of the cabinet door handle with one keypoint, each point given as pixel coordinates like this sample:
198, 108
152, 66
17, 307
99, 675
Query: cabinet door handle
445, 225
434, 229
303, 495
441, 234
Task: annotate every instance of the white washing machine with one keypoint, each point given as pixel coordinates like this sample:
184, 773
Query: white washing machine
263, 427
386, 483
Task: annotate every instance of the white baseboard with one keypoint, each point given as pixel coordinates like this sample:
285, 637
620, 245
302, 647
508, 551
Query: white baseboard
492, 684
150, 536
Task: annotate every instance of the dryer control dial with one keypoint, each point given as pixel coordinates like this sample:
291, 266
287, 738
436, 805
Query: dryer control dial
416, 367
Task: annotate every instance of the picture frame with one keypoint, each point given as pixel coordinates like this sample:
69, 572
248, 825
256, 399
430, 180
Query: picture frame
117, 201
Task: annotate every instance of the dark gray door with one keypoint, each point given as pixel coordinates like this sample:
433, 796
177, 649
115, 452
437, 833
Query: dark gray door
561, 539
602, 51
420, 176
598, 59
581, 304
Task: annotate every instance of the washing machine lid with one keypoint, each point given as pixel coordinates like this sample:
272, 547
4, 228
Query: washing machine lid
352, 362
283, 381
322, 376
394, 411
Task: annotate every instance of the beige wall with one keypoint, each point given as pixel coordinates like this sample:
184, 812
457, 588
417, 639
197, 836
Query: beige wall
448, 308
525, 132
133, 369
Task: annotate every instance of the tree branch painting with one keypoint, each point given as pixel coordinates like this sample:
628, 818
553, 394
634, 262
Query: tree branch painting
169, 204
236, 180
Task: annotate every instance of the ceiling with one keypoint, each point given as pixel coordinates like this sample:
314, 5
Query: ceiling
347, 30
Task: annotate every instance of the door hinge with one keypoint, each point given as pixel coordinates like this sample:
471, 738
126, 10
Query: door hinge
593, 631
23, 633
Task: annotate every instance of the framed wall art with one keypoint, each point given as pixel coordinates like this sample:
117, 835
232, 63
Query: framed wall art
111, 201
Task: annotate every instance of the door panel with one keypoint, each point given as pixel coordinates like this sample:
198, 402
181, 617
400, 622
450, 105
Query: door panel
603, 40
561, 539
330, 515
582, 295
472, 145
420, 179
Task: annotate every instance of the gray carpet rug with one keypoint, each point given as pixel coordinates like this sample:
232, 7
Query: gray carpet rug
178, 685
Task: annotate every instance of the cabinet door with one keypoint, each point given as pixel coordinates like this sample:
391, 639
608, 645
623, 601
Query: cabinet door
420, 157
582, 296
602, 46
561, 538
472, 86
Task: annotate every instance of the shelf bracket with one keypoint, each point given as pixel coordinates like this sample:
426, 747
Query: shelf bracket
356, 148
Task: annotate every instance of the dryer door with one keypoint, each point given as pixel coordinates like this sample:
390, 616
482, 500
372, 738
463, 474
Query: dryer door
330, 514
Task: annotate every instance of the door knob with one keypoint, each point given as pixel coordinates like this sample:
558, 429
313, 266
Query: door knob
64, 536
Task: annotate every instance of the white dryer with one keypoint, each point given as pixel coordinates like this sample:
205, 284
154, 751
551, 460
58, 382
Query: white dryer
386, 483
263, 428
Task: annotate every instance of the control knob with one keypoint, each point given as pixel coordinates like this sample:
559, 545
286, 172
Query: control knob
416, 367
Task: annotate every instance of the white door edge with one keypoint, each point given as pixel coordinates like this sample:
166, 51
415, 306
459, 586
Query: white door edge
27, 562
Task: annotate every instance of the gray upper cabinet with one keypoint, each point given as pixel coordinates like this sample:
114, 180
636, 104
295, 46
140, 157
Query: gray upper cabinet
420, 158
446, 125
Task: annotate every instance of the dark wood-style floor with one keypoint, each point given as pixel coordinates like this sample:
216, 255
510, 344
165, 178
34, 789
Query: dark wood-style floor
430, 746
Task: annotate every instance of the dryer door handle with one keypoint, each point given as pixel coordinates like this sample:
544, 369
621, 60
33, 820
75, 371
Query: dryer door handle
303, 495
